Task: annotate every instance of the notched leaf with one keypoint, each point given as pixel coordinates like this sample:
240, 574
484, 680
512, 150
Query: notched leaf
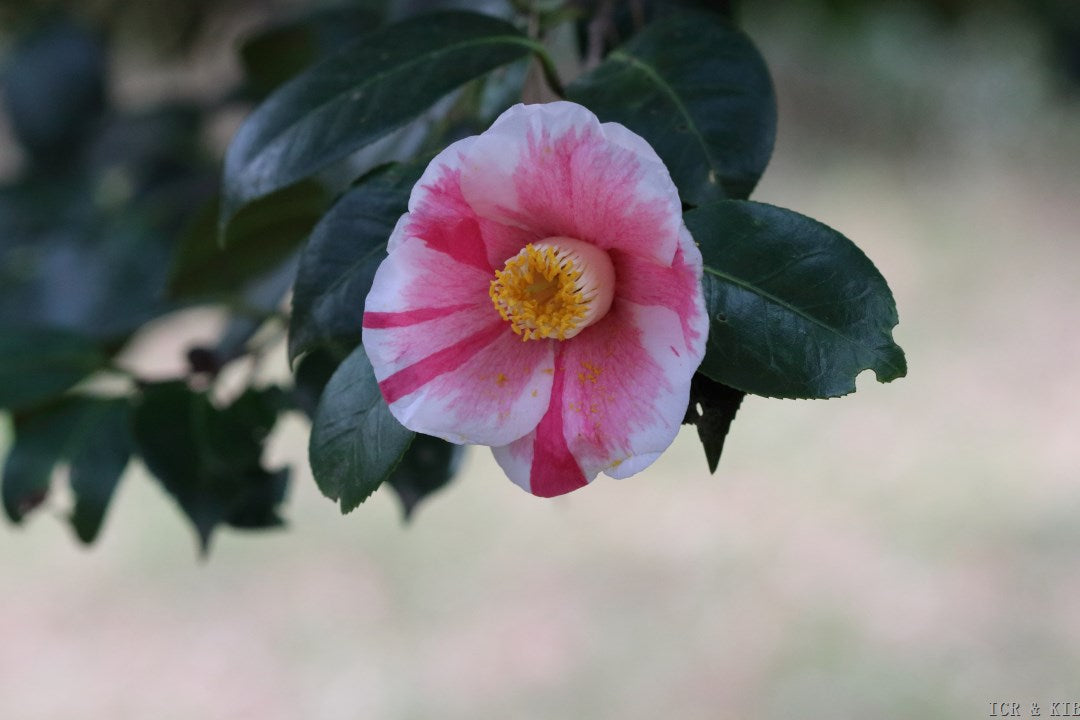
712, 410
797, 310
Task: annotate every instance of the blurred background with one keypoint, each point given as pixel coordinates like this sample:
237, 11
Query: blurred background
911, 551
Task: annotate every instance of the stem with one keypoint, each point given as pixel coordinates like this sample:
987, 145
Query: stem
600, 28
547, 66
254, 312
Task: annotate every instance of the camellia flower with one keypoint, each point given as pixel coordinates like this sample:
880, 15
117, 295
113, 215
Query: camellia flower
542, 296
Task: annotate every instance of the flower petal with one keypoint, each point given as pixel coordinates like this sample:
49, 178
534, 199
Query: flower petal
541, 461
621, 387
610, 399
628, 387
551, 170
446, 363
617, 404
482, 391
676, 287
627, 138
439, 214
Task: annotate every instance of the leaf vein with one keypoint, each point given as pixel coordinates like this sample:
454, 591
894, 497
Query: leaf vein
801, 313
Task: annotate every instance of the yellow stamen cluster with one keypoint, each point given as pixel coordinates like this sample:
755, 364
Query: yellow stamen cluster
539, 293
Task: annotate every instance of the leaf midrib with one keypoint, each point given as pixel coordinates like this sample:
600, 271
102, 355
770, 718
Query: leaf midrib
745, 285
654, 75
379, 76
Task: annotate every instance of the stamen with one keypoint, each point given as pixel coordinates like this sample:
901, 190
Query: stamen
554, 288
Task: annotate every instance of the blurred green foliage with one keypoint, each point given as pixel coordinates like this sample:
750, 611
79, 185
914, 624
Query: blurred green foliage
110, 219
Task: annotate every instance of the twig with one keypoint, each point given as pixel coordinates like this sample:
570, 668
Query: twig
600, 28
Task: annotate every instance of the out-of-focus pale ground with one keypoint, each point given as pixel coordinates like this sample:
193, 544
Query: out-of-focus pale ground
911, 551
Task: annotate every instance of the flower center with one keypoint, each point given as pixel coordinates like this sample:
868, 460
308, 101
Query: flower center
554, 288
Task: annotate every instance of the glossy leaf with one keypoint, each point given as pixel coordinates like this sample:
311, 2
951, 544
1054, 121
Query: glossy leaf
312, 373
627, 19
260, 238
358, 96
712, 409
426, 467
355, 441
339, 261
38, 363
278, 53
209, 459
699, 92
796, 309
92, 435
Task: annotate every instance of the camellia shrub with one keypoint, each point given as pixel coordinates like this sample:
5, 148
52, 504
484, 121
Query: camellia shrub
527, 228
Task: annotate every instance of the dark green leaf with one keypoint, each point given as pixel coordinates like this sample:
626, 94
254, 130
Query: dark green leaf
699, 92
92, 434
40, 441
427, 466
355, 441
209, 459
312, 373
796, 309
97, 464
257, 507
65, 265
712, 409
339, 261
260, 238
38, 363
278, 53
359, 95
55, 89
625, 19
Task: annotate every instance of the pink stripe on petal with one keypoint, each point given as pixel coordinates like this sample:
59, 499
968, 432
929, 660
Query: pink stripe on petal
415, 278
498, 396
550, 169
677, 288
441, 217
554, 470
415, 376
583, 186
444, 221
626, 392
382, 320
493, 397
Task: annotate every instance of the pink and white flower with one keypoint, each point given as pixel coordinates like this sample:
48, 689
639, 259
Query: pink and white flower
542, 296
